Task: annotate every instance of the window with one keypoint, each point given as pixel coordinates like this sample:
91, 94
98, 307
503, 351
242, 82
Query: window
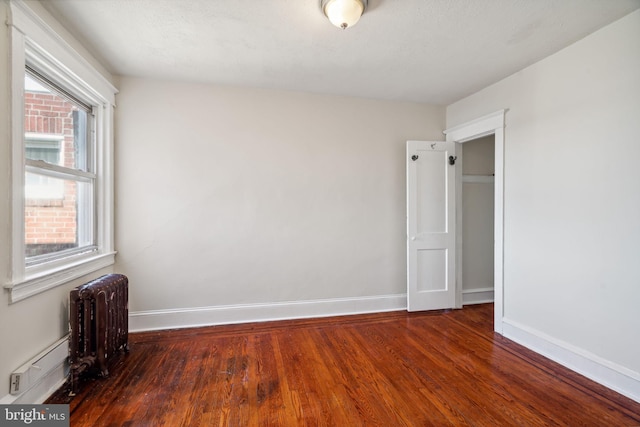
59, 179
62, 179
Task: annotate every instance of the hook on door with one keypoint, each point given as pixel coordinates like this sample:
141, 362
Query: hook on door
414, 157
452, 160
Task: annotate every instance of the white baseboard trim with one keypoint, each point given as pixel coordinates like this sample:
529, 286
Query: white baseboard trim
246, 313
605, 372
477, 296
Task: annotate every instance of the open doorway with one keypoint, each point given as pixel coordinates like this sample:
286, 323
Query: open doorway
489, 125
476, 225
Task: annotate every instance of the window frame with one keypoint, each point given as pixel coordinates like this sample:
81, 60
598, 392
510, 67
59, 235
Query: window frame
37, 45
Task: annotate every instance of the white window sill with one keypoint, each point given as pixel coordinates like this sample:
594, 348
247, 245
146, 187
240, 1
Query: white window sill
34, 284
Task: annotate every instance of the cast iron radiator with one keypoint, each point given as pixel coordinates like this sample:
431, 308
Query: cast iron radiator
98, 317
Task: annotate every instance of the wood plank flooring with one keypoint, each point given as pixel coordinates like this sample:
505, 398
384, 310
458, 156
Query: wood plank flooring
389, 369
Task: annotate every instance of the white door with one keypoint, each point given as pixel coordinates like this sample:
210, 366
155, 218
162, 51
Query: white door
430, 225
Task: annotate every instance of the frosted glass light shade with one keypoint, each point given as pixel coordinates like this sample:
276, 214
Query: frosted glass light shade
343, 13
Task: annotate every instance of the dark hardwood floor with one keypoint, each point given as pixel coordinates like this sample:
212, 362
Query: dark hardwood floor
387, 369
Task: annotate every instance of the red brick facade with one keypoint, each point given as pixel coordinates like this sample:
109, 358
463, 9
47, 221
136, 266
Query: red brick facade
51, 222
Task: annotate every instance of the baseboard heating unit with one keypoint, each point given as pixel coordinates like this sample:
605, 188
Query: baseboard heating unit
30, 374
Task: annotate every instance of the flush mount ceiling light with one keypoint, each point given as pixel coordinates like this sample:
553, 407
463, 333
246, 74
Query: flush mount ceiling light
344, 13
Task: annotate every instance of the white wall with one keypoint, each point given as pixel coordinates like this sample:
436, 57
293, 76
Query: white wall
29, 326
228, 196
572, 196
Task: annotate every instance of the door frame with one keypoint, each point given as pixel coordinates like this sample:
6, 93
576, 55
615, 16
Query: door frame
491, 124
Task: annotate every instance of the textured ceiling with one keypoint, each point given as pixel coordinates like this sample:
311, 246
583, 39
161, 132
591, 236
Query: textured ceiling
432, 51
